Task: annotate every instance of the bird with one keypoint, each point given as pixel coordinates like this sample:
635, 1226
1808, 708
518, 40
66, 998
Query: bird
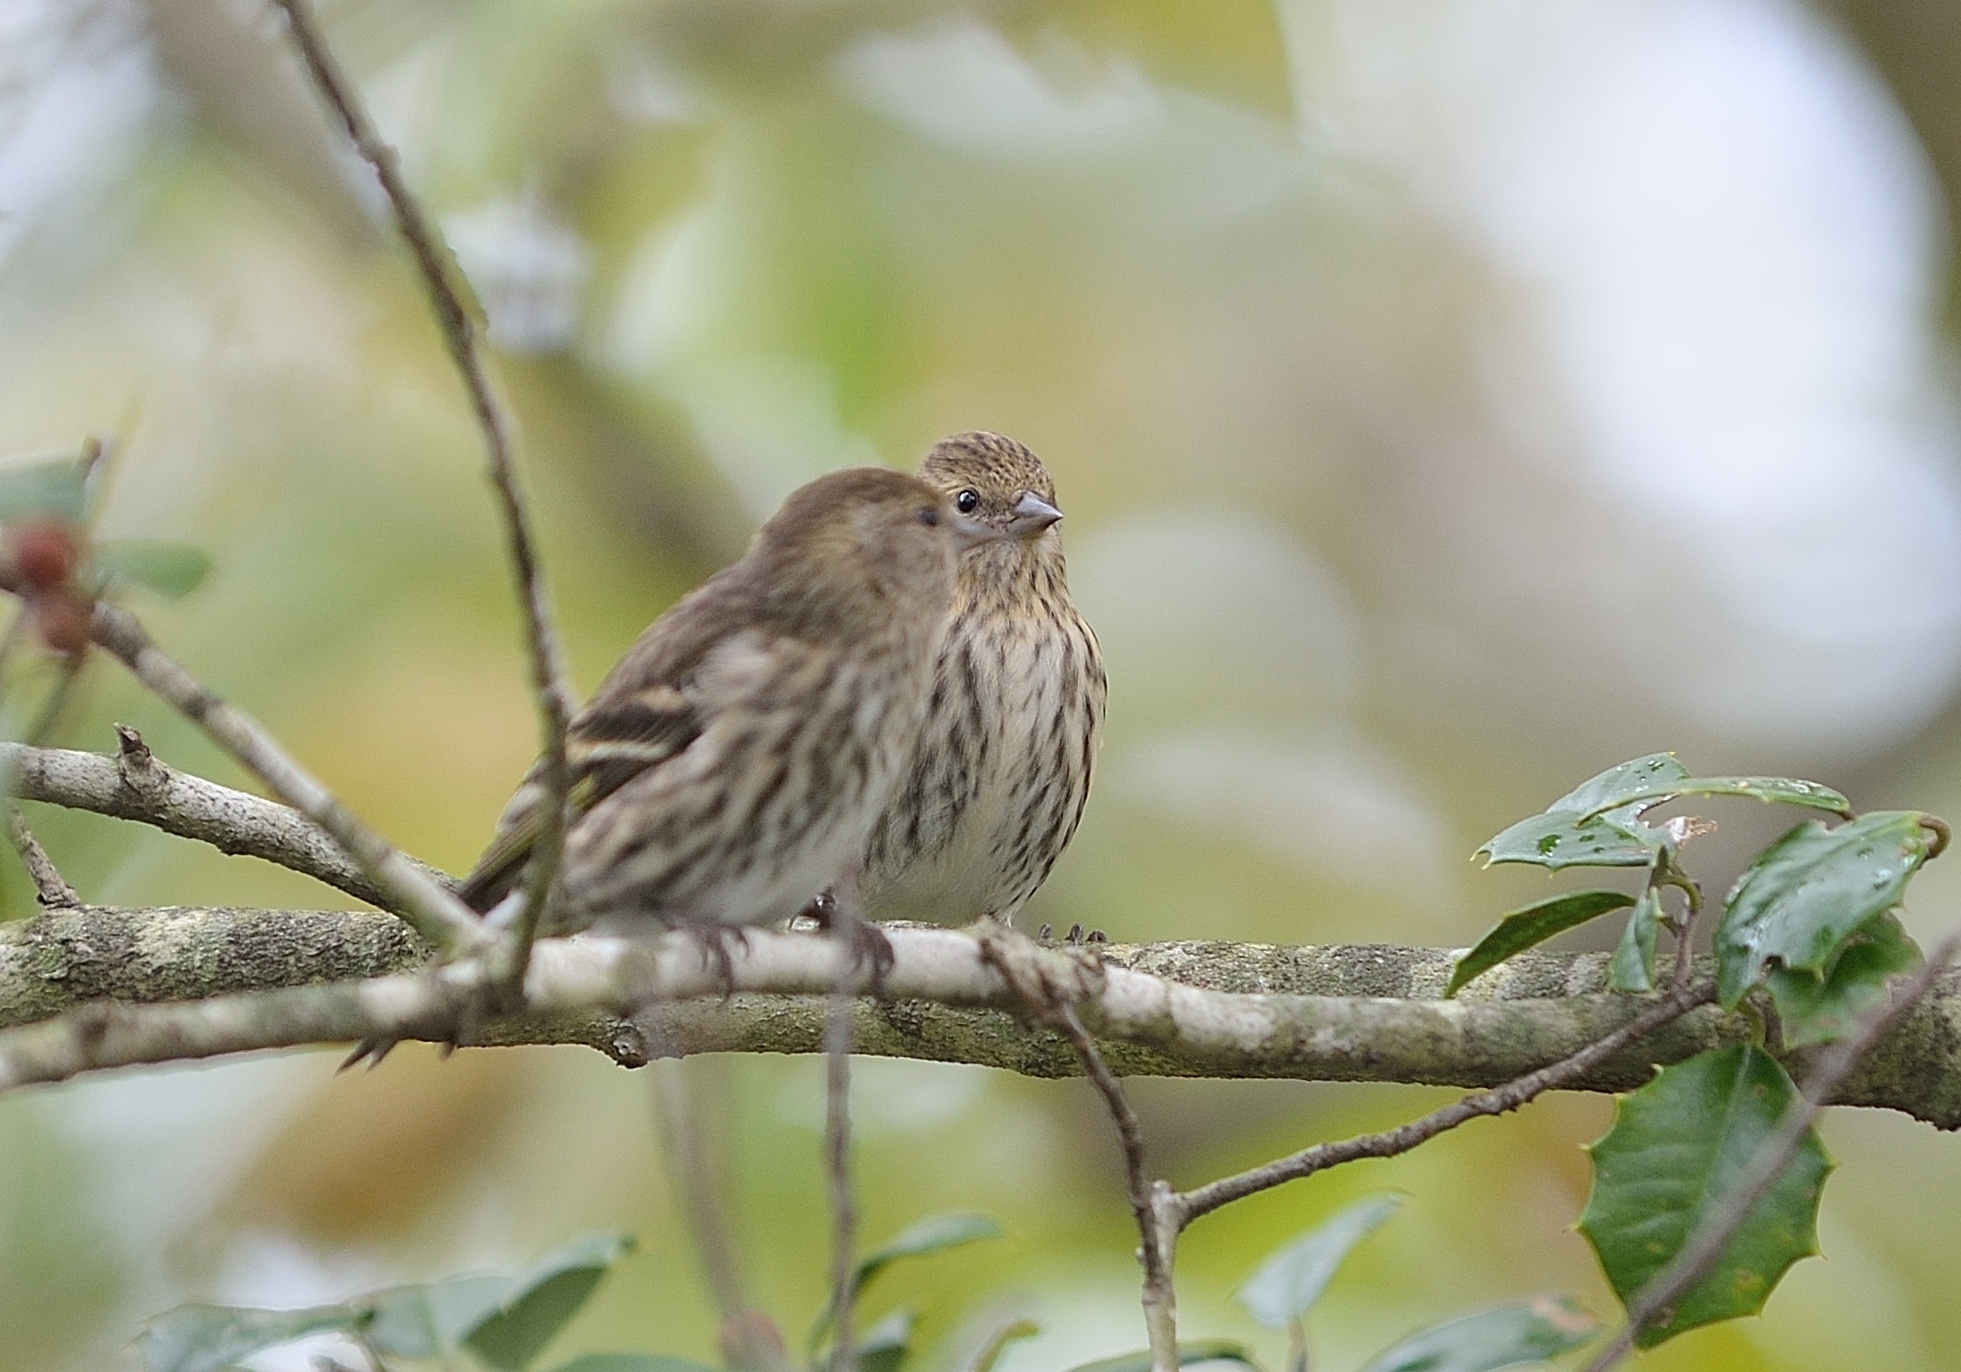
735, 760
1001, 771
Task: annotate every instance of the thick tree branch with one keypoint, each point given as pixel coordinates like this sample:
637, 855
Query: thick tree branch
1242, 1010
136, 785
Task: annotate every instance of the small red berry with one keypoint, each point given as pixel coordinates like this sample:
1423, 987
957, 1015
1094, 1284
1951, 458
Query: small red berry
63, 619
45, 551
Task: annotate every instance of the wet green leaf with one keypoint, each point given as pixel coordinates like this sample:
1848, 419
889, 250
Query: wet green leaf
1811, 1009
44, 488
1567, 838
170, 569
1672, 1159
211, 1338
1286, 1285
1617, 786
1771, 790
1204, 1350
1534, 924
1633, 964
1532, 1331
1806, 894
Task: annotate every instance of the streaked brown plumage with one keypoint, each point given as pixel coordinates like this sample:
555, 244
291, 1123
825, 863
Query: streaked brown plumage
735, 760
998, 781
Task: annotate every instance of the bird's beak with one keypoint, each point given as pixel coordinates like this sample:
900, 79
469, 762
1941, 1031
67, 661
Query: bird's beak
1032, 515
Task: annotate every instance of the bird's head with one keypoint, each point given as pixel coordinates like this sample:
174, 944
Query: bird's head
996, 482
866, 544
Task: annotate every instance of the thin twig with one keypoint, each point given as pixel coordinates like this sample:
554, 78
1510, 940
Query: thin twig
435, 911
1157, 1226
49, 887
1203, 1200
1706, 1242
845, 929
446, 289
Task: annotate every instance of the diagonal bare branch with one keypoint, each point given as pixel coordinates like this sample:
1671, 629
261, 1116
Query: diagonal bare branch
427, 904
136, 785
457, 314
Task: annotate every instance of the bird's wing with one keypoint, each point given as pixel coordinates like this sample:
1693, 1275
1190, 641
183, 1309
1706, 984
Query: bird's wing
644, 713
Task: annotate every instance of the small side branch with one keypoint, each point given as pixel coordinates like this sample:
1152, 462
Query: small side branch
457, 318
1387, 1144
136, 785
1157, 1222
425, 903
50, 888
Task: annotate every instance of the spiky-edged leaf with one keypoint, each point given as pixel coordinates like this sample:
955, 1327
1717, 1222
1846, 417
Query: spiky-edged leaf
1672, 1159
1810, 891
1813, 1010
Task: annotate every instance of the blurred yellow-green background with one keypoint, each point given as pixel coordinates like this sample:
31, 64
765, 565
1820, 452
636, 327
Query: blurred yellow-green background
1447, 402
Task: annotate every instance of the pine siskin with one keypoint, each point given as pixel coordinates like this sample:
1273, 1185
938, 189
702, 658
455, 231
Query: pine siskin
1015, 715
736, 758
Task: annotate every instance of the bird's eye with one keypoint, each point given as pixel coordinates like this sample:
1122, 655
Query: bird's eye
967, 502
929, 516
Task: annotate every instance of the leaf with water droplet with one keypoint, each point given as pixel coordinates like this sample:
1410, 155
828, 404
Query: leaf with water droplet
1565, 838
1618, 785
1534, 924
1809, 892
1771, 790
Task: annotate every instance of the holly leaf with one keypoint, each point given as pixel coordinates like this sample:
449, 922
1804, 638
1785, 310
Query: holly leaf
1633, 965
1569, 838
1592, 825
1522, 929
1771, 790
1672, 1160
1810, 891
1618, 785
1811, 1009
1531, 1331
